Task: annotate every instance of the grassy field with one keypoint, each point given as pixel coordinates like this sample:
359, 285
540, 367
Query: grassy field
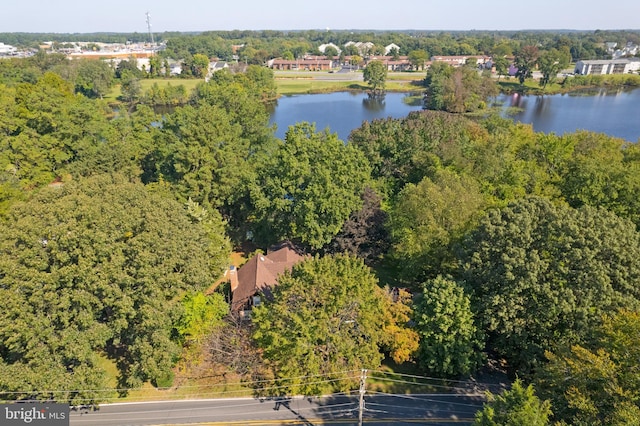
308, 84
145, 84
300, 82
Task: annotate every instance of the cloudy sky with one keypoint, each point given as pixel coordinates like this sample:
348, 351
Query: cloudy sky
81, 16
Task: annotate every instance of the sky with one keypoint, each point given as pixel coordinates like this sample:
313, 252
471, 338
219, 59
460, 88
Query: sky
82, 16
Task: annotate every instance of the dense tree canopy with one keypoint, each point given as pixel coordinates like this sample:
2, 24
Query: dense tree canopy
542, 275
96, 268
457, 90
598, 383
427, 219
364, 234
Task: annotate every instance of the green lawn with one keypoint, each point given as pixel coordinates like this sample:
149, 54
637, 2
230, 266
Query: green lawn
302, 86
146, 84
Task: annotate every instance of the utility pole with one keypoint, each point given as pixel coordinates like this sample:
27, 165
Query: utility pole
363, 380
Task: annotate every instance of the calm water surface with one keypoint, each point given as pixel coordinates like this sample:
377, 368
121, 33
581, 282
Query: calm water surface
616, 113
341, 112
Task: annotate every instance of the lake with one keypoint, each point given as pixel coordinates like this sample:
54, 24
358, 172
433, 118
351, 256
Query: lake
340, 111
616, 113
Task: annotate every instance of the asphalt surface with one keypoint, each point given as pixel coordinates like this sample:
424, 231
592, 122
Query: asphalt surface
380, 409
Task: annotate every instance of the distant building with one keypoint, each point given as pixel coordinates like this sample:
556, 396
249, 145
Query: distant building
607, 66
457, 61
324, 47
306, 64
401, 64
389, 48
215, 66
364, 48
7, 50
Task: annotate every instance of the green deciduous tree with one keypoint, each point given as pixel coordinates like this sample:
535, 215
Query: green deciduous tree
542, 275
428, 218
199, 65
518, 406
201, 314
46, 127
602, 171
525, 61
502, 65
93, 78
597, 383
130, 87
200, 153
418, 59
326, 319
551, 62
375, 75
308, 187
450, 343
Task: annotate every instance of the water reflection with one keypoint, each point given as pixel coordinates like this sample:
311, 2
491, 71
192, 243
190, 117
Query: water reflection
541, 106
341, 111
374, 103
610, 111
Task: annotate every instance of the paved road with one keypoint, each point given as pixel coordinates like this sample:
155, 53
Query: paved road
336, 410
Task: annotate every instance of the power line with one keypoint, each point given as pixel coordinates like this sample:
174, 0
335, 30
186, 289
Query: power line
419, 384
425, 398
431, 378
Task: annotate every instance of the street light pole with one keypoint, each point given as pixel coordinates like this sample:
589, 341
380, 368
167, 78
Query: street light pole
363, 379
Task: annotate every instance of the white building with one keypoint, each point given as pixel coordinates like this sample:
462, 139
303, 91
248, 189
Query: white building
608, 66
324, 47
390, 47
6, 50
364, 48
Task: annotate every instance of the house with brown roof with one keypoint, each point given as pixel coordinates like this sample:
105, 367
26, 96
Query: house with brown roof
260, 274
314, 63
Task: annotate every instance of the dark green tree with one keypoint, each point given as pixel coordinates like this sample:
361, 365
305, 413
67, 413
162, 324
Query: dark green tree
130, 87
550, 63
375, 75
92, 78
308, 187
525, 61
46, 128
542, 275
200, 153
130, 66
450, 343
